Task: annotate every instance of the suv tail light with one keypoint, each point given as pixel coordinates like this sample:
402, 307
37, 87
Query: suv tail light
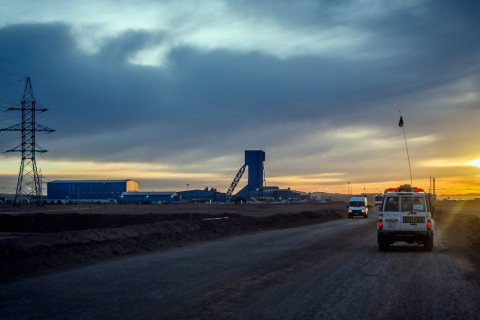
429, 223
380, 224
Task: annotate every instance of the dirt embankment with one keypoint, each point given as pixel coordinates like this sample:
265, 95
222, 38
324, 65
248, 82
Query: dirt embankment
33, 242
462, 217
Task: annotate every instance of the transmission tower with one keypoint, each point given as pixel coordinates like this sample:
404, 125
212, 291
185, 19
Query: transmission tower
29, 186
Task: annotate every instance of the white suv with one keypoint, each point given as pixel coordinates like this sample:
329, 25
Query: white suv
405, 215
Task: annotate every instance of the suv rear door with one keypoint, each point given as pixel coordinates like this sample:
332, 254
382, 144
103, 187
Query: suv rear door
391, 212
413, 212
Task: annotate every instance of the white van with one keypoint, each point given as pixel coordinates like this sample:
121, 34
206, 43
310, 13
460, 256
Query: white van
358, 206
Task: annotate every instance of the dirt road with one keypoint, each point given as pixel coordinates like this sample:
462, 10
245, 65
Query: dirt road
326, 271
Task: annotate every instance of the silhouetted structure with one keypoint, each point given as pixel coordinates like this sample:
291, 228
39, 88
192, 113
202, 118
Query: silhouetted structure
29, 187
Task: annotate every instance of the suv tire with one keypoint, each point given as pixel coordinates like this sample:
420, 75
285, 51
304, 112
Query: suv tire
428, 244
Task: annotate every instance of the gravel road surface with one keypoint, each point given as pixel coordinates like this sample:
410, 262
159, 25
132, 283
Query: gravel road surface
332, 270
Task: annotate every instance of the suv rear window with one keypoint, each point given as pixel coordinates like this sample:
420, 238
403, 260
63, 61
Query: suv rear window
411, 204
405, 203
392, 203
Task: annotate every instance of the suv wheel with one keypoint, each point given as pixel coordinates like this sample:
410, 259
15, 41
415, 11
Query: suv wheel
428, 245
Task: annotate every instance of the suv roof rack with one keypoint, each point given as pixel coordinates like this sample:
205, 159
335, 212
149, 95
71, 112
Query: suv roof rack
404, 188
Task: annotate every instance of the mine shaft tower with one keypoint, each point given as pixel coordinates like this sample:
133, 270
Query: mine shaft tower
29, 185
254, 160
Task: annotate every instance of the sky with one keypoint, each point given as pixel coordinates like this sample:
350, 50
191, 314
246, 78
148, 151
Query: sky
171, 93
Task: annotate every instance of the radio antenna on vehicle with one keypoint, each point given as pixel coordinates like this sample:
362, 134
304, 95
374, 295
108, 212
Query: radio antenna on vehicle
400, 124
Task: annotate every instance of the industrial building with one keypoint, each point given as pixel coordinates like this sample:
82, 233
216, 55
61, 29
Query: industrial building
88, 190
126, 191
256, 190
202, 196
149, 197
196, 195
277, 194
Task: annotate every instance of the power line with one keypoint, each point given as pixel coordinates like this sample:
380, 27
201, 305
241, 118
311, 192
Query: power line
10, 83
6, 140
13, 74
11, 118
8, 102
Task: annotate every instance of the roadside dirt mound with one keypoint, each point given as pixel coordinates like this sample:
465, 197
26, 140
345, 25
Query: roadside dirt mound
56, 241
56, 222
463, 217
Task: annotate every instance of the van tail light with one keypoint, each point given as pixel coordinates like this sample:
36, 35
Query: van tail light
380, 224
429, 224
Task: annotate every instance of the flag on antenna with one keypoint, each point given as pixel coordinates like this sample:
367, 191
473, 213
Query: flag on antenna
400, 122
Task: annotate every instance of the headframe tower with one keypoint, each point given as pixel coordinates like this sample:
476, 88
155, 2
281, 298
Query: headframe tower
254, 160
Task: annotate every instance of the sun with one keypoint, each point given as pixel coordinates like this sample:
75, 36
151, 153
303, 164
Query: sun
475, 162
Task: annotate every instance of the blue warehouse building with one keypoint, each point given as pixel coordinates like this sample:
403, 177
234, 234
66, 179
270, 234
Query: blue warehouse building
89, 190
202, 196
149, 197
195, 195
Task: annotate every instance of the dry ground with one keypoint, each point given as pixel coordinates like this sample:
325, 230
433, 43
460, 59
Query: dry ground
462, 216
39, 239
35, 240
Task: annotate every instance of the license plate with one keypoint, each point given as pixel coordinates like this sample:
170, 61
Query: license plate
391, 223
413, 219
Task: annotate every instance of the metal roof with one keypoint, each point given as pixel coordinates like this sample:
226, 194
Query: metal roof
90, 181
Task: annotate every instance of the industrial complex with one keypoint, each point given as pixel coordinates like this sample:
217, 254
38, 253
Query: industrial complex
126, 191
29, 185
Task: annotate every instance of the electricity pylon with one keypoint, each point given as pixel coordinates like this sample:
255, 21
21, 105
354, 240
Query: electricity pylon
29, 186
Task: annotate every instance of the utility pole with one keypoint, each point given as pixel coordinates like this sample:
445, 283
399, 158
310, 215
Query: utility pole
29, 185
